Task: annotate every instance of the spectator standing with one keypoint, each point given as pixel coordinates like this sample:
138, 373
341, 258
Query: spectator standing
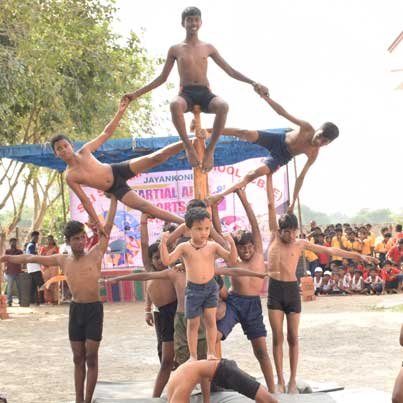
34, 269
395, 254
382, 247
51, 294
12, 271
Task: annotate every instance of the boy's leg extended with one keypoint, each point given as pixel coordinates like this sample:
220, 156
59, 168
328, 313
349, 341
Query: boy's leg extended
218, 106
133, 200
167, 361
292, 339
78, 349
192, 328
260, 350
178, 107
276, 319
249, 177
91, 358
209, 319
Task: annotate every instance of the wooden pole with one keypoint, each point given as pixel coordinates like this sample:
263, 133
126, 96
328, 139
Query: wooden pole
200, 178
3, 298
62, 192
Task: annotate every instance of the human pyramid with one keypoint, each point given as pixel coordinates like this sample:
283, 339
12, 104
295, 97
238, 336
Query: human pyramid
183, 280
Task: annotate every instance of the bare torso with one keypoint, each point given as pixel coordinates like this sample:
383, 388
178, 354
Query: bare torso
283, 259
82, 276
299, 141
178, 280
192, 62
161, 292
199, 263
88, 171
250, 286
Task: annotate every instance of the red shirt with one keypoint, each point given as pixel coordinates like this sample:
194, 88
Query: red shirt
396, 254
387, 275
13, 268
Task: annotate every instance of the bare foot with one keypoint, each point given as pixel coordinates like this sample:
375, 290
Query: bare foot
208, 161
192, 156
214, 199
192, 358
212, 357
280, 388
292, 388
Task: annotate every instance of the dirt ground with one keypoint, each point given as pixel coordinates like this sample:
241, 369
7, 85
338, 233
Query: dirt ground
353, 341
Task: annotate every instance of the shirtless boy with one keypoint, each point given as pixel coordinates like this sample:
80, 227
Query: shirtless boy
283, 295
83, 169
243, 302
223, 372
201, 295
191, 56
82, 271
282, 148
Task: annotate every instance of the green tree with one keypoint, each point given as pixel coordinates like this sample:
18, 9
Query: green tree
62, 69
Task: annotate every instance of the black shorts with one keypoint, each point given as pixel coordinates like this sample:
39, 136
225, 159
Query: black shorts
229, 376
121, 173
86, 321
166, 321
197, 95
284, 296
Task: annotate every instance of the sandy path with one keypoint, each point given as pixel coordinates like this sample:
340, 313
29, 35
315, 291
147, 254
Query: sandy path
342, 339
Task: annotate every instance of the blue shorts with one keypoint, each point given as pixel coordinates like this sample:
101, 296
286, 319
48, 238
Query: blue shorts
200, 296
275, 144
246, 310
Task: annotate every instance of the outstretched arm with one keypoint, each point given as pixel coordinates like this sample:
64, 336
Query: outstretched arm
144, 276
300, 180
104, 237
158, 81
110, 128
271, 205
257, 237
238, 272
52, 260
261, 89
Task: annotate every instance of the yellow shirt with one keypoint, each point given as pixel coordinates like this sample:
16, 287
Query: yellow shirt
366, 247
338, 244
382, 247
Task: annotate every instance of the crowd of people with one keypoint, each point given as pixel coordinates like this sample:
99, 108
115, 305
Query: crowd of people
335, 275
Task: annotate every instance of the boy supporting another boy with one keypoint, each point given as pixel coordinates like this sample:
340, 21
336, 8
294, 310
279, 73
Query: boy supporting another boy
199, 255
82, 271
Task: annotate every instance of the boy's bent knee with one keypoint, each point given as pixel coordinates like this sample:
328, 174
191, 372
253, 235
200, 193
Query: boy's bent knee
261, 354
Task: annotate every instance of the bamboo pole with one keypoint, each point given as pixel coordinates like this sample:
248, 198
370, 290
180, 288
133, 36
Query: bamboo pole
200, 178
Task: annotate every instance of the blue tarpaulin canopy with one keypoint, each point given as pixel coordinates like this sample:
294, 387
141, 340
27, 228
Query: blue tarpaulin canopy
229, 150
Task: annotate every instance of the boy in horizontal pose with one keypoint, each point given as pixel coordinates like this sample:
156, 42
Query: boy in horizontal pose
282, 148
199, 255
83, 271
83, 169
224, 373
192, 56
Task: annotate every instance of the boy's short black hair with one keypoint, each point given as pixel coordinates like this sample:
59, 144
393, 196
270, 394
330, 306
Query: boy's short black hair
288, 221
242, 237
12, 240
58, 137
387, 235
330, 131
195, 203
154, 247
195, 214
170, 227
72, 228
190, 12
398, 228
34, 233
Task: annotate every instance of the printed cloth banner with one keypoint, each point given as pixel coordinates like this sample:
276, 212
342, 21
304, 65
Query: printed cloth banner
171, 191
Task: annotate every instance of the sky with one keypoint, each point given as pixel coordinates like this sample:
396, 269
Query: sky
322, 60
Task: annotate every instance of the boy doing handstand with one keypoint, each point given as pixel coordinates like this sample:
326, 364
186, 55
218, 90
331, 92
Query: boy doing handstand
201, 296
82, 271
191, 56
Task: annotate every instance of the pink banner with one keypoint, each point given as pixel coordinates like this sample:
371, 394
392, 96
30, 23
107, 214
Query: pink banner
171, 191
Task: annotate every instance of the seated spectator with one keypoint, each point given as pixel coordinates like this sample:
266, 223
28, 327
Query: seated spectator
318, 280
382, 247
327, 282
389, 275
357, 283
337, 285
347, 280
395, 254
374, 282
